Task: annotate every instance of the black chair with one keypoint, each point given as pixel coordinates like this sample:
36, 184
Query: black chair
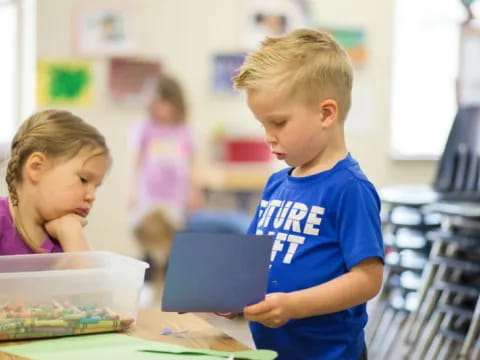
457, 175
458, 171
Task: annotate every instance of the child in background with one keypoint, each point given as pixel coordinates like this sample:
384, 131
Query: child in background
154, 235
164, 164
327, 258
57, 161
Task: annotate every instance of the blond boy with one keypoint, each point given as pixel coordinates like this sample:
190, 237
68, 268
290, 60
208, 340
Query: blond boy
326, 261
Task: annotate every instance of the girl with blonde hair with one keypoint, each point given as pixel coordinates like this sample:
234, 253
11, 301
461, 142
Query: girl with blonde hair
56, 163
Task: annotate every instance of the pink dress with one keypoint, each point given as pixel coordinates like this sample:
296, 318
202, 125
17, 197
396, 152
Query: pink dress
165, 153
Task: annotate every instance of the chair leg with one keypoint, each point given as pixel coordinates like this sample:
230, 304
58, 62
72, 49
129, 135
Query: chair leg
372, 327
472, 333
431, 330
427, 279
400, 347
445, 351
381, 332
424, 313
434, 349
392, 336
476, 349
455, 352
428, 305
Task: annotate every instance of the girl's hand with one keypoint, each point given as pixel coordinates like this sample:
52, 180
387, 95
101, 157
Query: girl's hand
70, 222
68, 230
274, 311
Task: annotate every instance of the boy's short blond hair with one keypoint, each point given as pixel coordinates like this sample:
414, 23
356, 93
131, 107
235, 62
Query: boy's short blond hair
305, 64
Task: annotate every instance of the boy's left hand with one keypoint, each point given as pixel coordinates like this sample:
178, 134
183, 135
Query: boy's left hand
273, 312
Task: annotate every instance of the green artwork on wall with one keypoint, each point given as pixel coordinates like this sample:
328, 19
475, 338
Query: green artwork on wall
64, 82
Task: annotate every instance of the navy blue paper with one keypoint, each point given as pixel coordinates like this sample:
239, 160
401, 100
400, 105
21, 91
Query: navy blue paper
216, 272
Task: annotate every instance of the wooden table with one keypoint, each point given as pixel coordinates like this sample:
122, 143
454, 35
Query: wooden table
242, 181
151, 322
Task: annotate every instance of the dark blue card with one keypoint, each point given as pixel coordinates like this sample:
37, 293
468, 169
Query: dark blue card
216, 272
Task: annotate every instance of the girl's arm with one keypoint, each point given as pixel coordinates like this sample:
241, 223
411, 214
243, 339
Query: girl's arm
68, 230
357, 286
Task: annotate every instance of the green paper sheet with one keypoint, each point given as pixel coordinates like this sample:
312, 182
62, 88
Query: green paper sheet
123, 347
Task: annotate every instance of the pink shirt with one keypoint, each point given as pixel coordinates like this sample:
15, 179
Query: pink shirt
165, 152
11, 242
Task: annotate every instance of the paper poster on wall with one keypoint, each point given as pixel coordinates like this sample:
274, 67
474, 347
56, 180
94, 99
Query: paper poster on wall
225, 66
132, 81
271, 18
104, 30
64, 82
353, 40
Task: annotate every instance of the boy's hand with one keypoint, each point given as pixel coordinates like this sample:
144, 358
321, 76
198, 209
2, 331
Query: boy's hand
274, 311
68, 230
228, 315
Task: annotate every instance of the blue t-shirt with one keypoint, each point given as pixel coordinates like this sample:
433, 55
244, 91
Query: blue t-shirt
324, 224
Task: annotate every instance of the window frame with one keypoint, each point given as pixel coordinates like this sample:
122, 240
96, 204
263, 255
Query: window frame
25, 71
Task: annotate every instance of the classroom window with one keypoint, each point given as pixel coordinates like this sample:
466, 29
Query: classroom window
8, 86
424, 71
17, 64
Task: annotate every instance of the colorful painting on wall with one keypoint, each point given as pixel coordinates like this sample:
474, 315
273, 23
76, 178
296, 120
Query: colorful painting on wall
132, 81
353, 40
270, 18
64, 82
224, 68
105, 30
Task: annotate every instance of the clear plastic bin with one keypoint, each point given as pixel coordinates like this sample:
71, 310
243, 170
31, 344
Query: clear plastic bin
49, 295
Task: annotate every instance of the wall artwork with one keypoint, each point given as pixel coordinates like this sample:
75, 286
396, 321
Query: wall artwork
271, 18
225, 67
104, 30
64, 82
132, 81
353, 40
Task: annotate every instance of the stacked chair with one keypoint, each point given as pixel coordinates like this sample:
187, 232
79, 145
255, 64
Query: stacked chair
429, 305
405, 226
446, 323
